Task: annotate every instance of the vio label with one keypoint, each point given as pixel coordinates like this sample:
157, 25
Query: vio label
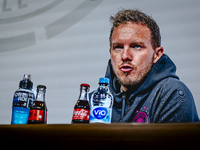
100, 112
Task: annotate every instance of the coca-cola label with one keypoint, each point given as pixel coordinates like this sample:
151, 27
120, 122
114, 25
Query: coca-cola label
36, 114
81, 114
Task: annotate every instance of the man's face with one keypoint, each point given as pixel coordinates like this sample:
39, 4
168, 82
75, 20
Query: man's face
132, 55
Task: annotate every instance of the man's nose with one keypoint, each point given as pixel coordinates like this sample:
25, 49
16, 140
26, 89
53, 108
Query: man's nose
126, 54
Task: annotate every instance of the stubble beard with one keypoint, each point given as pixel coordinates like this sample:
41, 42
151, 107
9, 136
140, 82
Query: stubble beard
124, 79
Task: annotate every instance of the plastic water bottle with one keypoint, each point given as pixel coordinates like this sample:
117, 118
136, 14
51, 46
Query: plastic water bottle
22, 101
101, 103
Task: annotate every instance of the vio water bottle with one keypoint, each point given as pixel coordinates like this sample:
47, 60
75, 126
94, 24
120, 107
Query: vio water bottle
101, 103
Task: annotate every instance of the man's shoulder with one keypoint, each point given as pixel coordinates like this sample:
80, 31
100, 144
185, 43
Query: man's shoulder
176, 100
174, 84
174, 90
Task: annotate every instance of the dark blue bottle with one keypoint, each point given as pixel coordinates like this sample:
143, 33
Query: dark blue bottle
22, 101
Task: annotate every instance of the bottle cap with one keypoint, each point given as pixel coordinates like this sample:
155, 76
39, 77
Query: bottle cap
85, 84
26, 82
41, 88
104, 80
27, 76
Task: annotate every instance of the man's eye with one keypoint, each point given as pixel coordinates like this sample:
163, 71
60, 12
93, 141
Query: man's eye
118, 47
137, 46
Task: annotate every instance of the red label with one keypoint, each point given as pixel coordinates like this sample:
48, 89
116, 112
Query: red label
81, 114
36, 114
45, 116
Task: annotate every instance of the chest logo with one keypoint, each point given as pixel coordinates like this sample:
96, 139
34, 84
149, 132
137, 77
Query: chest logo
141, 117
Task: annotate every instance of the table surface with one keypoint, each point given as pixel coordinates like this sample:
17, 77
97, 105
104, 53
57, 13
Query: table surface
104, 136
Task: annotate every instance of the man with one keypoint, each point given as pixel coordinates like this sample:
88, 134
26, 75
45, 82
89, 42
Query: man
142, 78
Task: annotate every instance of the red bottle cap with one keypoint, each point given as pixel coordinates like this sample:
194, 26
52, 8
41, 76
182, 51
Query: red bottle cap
84, 84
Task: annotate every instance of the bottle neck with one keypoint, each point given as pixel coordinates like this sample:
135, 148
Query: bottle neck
103, 85
40, 96
25, 84
83, 93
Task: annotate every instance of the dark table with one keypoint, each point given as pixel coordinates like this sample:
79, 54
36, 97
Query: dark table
102, 136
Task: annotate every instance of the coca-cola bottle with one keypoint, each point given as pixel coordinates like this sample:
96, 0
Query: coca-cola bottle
38, 112
81, 112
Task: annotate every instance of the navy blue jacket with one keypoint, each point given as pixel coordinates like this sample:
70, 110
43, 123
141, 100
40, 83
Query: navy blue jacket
162, 97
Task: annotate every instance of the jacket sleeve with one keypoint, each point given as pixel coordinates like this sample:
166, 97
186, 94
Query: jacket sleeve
175, 104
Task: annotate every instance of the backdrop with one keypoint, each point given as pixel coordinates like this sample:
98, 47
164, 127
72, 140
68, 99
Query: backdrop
63, 43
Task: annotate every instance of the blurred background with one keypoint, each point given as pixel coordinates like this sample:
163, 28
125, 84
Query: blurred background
63, 43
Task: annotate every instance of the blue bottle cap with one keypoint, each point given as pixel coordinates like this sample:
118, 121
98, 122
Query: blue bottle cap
104, 80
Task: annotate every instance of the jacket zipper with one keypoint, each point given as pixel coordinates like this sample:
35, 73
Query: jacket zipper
123, 106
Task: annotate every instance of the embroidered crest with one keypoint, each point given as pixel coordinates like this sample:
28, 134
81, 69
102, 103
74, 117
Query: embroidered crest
141, 117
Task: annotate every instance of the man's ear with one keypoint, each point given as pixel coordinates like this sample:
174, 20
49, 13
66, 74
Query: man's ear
110, 50
158, 53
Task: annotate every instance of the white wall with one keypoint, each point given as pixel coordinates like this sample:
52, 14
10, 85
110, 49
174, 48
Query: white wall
63, 43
